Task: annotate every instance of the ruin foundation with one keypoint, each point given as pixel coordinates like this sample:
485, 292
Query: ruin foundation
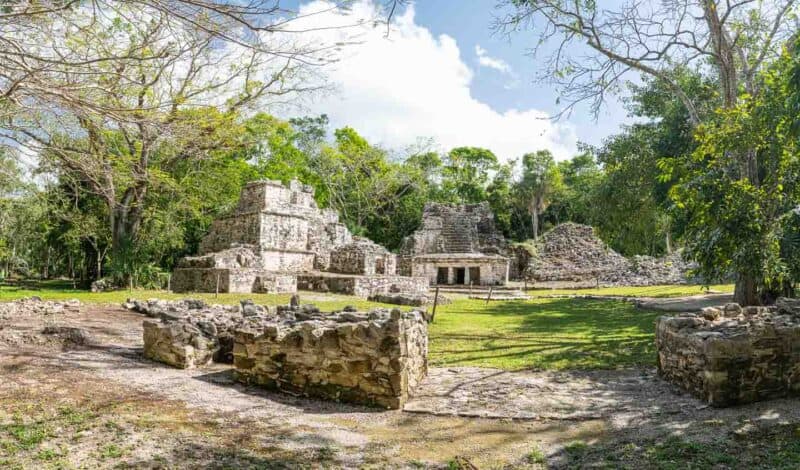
374, 358
733, 355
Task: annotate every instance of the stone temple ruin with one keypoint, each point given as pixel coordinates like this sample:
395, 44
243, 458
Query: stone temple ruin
456, 245
733, 355
375, 358
278, 240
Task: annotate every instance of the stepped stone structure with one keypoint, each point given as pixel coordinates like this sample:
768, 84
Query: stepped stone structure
457, 244
376, 358
278, 233
733, 355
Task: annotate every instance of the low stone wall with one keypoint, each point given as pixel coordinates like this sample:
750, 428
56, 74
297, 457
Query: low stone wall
733, 355
188, 333
361, 286
373, 359
240, 280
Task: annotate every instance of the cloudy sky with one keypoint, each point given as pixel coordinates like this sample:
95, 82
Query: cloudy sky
441, 73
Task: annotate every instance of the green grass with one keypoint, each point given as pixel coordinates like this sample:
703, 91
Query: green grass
649, 291
61, 291
550, 334
540, 334
775, 447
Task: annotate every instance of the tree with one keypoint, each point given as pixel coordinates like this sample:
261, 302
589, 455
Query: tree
596, 48
540, 180
466, 174
144, 115
736, 223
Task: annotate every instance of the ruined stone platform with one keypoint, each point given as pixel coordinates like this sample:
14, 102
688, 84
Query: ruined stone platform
364, 286
733, 355
375, 358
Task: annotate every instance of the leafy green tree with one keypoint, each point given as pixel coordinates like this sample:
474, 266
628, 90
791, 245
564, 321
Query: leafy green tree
466, 174
541, 179
737, 223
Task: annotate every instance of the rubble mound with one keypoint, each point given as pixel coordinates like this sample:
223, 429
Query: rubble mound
572, 253
33, 321
35, 306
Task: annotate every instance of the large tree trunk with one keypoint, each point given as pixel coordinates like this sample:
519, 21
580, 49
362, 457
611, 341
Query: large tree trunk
746, 290
535, 224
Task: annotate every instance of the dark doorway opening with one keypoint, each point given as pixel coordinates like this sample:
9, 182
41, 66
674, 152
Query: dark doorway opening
380, 266
441, 275
461, 275
475, 276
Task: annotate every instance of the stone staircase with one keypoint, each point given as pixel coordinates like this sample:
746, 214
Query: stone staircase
456, 236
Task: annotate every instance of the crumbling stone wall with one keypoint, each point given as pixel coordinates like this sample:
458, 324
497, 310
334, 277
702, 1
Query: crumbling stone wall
363, 256
374, 358
361, 286
733, 355
449, 228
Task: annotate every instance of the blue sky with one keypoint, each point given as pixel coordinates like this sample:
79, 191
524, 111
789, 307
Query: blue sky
444, 77
473, 26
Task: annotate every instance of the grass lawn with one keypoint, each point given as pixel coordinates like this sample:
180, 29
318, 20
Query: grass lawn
64, 291
649, 291
551, 334
542, 334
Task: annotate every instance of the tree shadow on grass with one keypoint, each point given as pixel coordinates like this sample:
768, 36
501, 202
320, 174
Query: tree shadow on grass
559, 333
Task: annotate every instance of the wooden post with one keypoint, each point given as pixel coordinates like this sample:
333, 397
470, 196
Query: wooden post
489, 297
216, 292
470, 288
130, 284
435, 302
169, 282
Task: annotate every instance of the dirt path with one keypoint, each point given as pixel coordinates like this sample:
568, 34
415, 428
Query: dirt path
491, 417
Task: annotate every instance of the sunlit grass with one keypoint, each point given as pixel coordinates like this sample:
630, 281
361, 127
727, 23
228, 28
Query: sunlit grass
543, 334
551, 334
61, 292
649, 291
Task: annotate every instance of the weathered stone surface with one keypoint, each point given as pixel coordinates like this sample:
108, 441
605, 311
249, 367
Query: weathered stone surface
37, 306
572, 253
363, 256
731, 356
375, 358
457, 244
361, 286
275, 234
188, 333
409, 299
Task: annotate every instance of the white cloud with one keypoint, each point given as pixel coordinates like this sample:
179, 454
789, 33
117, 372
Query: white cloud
485, 60
412, 84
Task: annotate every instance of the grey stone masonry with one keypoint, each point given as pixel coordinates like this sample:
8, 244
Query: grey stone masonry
376, 358
456, 244
276, 234
733, 355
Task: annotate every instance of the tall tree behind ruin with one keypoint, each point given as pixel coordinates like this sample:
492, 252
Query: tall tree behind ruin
540, 181
594, 49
